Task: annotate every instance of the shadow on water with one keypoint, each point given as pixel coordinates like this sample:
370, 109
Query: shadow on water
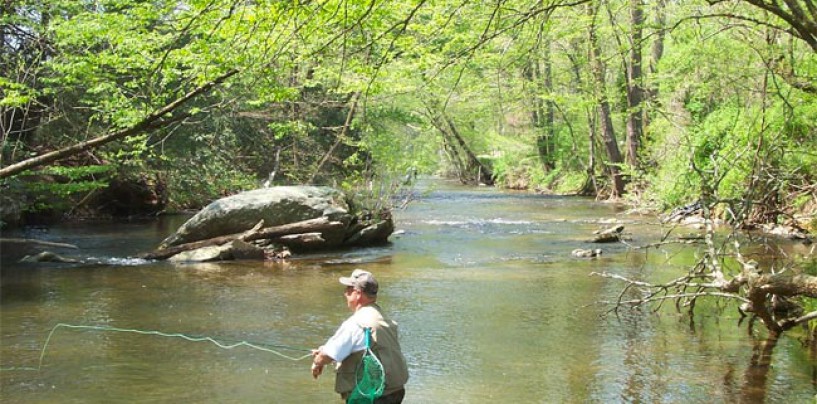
757, 372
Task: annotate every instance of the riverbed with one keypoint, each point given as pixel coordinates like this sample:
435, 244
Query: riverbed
492, 307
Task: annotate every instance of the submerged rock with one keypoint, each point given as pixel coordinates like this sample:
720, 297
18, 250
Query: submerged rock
586, 253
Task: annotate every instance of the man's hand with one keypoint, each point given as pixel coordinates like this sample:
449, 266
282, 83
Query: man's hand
318, 361
316, 370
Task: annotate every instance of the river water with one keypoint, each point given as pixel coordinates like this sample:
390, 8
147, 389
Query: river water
491, 305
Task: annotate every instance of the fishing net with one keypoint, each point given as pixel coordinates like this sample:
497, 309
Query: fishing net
370, 376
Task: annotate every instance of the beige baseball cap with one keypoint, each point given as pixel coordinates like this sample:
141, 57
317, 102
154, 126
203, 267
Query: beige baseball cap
361, 280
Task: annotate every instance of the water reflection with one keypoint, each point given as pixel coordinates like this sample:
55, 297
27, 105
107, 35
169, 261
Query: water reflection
491, 306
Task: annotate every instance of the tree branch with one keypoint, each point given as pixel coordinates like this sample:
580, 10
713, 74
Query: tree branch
151, 122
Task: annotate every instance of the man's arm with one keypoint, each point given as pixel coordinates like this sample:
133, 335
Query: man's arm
348, 337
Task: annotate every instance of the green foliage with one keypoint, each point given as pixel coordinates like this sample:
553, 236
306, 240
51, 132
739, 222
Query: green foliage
15, 94
724, 115
55, 188
570, 182
516, 170
198, 180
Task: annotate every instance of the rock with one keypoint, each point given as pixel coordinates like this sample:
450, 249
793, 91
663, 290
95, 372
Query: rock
786, 231
299, 217
807, 222
610, 235
280, 254
377, 233
585, 253
234, 250
276, 206
611, 230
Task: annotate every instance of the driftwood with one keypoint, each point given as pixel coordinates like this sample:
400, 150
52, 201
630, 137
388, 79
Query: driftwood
319, 225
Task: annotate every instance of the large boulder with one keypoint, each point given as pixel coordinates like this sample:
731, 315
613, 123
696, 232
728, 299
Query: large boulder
275, 206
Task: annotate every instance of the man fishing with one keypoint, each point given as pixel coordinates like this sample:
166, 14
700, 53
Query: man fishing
348, 345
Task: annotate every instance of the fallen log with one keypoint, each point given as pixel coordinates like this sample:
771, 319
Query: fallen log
300, 241
318, 225
234, 250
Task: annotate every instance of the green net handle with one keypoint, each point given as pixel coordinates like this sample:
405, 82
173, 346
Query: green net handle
367, 332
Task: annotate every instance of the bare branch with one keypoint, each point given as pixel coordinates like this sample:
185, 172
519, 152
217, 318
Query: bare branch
789, 323
638, 302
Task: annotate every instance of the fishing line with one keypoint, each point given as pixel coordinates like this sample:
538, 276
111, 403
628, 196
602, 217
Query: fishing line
221, 342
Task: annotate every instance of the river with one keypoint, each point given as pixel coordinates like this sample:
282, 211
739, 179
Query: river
491, 306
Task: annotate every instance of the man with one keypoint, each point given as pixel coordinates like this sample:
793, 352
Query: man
348, 344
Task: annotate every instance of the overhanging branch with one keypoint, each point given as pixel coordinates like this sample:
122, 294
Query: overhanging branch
151, 122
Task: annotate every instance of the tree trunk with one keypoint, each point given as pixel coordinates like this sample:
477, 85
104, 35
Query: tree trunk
634, 88
485, 175
605, 120
543, 76
590, 185
532, 73
656, 53
454, 157
539, 76
448, 146
550, 108
456, 144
